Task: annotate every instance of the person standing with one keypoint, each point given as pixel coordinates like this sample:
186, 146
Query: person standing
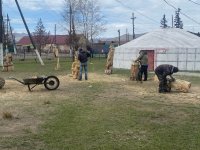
83, 58
143, 59
162, 71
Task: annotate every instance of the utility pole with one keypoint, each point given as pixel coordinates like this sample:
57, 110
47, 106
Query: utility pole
70, 31
13, 37
73, 38
119, 36
55, 35
1, 34
70, 23
31, 39
7, 35
172, 21
133, 21
126, 35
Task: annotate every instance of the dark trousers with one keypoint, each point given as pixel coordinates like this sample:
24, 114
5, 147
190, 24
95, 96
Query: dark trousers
83, 66
143, 71
162, 83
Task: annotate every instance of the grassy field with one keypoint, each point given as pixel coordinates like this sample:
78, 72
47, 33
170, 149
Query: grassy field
103, 113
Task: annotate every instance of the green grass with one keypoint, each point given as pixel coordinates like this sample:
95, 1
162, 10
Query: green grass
92, 119
33, 68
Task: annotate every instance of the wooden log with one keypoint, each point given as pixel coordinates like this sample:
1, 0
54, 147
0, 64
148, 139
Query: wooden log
76, 72
2, 82
108, 71
109, 62
134, 70
75, 68
57, 64
181, 85
178, 84
8, 64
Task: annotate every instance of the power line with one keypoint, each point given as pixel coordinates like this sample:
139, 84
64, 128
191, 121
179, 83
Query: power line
170, 4
181, 12
194, 2
136, 11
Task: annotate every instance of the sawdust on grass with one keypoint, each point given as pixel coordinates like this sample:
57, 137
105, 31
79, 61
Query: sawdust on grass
28, 108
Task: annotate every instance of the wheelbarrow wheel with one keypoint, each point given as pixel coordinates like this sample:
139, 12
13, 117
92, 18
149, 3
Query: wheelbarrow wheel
51, 83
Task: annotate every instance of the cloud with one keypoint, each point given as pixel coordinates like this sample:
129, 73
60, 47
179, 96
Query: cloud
148, 14
35, 5
25, 4
58, 5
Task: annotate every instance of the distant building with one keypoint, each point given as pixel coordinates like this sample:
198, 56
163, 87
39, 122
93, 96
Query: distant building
62, 42
102, 45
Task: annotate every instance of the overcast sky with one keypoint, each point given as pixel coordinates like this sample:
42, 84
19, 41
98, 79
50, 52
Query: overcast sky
117, 14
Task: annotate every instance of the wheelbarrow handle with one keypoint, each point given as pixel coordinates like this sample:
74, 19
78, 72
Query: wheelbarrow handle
17, 80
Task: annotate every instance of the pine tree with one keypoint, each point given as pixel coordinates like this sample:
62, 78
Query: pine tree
40, 36
163, 22
7, 40
177, 20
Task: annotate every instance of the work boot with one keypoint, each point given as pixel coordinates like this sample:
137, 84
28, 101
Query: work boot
162, 90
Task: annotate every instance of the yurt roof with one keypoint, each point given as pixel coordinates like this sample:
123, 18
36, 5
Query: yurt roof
164, 39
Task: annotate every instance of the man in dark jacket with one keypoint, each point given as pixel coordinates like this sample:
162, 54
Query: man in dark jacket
143, 59
83, 58
162, 72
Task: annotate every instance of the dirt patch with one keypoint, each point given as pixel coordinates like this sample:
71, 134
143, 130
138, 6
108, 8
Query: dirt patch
29, 108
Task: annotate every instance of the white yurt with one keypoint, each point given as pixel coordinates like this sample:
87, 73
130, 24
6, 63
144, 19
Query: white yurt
164, 46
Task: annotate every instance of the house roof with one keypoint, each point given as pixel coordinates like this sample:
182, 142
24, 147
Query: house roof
164, 39
60, 40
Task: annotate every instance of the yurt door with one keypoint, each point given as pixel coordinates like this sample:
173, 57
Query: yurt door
150, 54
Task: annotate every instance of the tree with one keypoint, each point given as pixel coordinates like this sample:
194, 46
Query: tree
177, 20
163, 22
7, 39
69, 15
40, 36
91, 18
87, 16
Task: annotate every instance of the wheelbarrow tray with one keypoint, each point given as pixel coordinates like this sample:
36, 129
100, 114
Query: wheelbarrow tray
38, 80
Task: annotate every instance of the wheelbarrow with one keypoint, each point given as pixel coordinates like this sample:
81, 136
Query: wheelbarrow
50, 82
